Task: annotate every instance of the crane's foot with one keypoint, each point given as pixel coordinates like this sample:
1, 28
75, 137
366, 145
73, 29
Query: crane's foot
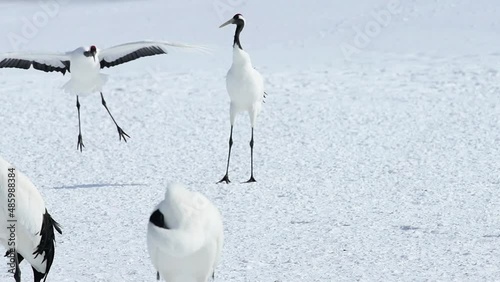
80, 145
122, 133
251, 180
225, 179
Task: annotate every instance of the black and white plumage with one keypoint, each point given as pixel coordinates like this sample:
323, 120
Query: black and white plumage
245, 87
185, 236
34, 227
84, 64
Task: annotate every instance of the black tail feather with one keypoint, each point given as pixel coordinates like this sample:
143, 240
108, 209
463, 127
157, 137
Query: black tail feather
47, 240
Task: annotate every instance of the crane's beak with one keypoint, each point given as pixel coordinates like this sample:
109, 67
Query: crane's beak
93, 55
231, 21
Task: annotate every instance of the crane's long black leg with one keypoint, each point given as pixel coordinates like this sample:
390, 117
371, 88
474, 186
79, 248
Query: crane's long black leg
158, 275
79, 144
18, 258
226, 177
251, 160
37, 275
121, 133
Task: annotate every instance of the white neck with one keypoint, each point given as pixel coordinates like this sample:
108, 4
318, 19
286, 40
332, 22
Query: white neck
241, 57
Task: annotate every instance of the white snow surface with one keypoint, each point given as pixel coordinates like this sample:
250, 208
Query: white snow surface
378, 166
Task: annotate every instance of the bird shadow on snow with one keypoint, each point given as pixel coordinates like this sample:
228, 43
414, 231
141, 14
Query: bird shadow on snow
97, 185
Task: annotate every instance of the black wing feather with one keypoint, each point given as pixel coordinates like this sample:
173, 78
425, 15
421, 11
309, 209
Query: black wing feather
46, 246
143, 52
26, 64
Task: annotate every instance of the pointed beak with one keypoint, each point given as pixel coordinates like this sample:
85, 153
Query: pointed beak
231, 21
93, 55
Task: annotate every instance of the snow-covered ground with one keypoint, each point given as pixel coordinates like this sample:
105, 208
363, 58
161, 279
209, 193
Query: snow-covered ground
376, 153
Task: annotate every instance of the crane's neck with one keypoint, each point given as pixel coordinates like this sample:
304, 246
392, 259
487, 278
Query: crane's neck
241, 58
239, 27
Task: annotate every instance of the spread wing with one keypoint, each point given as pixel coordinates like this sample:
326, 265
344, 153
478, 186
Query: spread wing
44, 62
127, 52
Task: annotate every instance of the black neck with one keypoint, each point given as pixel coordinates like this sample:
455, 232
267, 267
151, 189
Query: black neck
158, 219
239, 27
